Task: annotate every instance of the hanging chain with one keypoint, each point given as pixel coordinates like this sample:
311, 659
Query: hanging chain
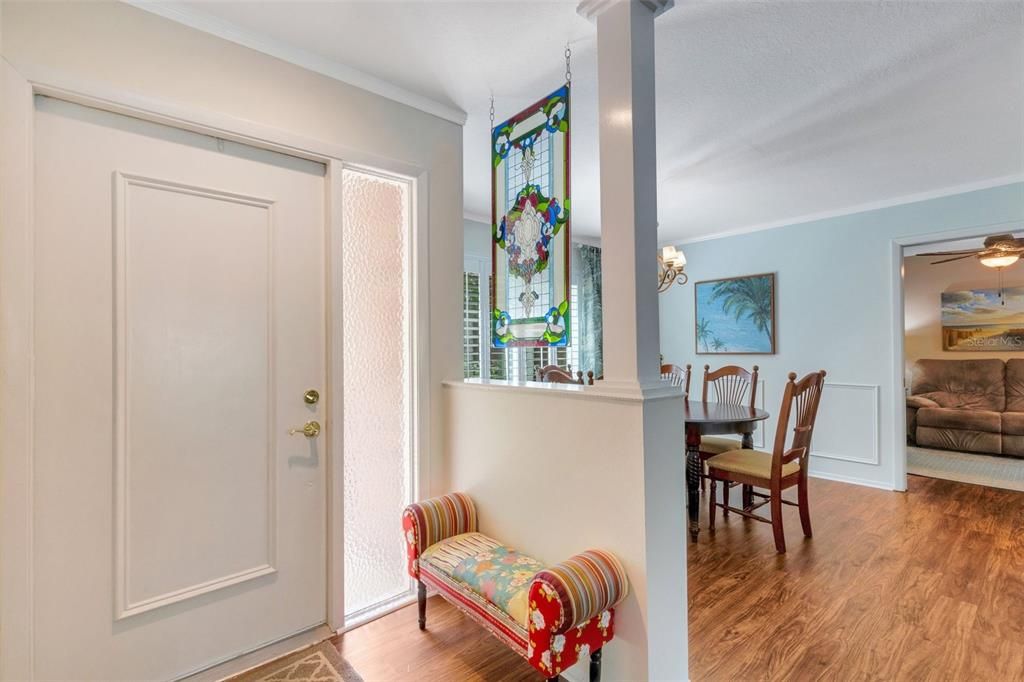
568, 78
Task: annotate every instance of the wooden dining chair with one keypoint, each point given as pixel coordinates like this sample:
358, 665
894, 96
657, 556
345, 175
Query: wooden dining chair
553, 374
732, 385
778, 470
677, 376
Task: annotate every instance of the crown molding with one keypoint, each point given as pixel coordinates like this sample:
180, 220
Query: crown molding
591, 9
851, 210
299, 57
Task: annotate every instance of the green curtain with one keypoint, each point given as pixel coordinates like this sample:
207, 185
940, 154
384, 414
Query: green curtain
587, 273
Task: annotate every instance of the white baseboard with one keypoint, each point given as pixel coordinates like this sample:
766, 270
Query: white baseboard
853, 480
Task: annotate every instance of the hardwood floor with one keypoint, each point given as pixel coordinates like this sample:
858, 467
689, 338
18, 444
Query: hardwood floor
927, 585
453, 647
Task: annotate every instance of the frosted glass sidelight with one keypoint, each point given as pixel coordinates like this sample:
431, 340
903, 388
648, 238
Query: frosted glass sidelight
378, 461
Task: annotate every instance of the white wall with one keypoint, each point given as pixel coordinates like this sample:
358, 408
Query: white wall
923, 285
834, 311
558, 470
118, 46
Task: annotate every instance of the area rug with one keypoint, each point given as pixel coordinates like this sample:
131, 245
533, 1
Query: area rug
318, 663
995, 472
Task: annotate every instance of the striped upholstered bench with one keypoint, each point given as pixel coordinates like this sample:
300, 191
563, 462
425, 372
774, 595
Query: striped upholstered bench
552, 616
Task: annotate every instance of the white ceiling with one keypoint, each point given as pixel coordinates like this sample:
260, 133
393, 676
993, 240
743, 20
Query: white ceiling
768, 112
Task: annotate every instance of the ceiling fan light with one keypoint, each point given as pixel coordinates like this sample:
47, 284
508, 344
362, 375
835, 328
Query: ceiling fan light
999, 261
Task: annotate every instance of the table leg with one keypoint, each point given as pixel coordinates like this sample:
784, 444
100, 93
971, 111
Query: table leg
693, 477
748, 490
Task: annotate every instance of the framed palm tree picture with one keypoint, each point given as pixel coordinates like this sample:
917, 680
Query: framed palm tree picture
735, 315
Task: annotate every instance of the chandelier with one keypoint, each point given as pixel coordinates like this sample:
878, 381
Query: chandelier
671, 266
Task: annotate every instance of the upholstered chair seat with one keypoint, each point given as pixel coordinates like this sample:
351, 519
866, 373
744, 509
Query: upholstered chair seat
750, 463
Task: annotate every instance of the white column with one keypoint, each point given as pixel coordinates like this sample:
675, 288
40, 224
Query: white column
629, 241
629, 202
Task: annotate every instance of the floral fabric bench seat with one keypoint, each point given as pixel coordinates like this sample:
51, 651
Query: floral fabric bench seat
552, 616
498, 574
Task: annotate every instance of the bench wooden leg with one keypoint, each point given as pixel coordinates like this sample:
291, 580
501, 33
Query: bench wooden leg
421, 599
595, 666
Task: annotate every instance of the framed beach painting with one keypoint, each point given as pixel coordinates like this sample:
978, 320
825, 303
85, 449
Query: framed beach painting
735, 315
989, 320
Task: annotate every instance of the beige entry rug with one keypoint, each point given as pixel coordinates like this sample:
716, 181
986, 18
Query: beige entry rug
318, 663
995, 472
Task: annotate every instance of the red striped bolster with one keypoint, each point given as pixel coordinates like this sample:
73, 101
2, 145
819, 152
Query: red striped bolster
442, 517
586, 585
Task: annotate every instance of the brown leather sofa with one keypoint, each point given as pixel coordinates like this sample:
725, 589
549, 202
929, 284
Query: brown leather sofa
968, 406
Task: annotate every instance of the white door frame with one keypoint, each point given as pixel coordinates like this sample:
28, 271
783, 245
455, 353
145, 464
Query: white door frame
18, 85
896, 246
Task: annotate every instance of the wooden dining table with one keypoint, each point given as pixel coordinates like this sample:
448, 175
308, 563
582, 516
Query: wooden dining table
709, 418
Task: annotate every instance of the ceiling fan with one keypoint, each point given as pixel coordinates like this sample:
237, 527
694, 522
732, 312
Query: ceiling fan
999, 251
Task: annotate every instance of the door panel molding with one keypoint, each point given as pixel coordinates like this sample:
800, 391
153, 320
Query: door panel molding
125, 603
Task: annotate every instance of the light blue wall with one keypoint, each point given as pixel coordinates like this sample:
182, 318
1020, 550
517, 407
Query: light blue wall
834, 308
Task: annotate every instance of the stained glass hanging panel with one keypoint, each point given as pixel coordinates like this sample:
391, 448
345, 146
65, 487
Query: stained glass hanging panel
530, 296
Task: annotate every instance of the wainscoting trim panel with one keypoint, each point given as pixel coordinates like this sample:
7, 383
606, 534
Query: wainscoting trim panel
874, 455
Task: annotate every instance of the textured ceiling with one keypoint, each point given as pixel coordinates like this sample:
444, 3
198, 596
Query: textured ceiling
768, 112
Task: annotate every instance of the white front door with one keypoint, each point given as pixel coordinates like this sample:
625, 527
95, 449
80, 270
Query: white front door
179, 321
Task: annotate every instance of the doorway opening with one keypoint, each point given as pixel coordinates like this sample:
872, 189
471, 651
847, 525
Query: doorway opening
961, 359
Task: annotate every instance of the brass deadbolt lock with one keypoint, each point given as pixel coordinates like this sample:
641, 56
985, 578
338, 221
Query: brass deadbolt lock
311, 397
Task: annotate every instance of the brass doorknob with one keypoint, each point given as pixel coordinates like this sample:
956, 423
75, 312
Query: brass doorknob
309, 430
